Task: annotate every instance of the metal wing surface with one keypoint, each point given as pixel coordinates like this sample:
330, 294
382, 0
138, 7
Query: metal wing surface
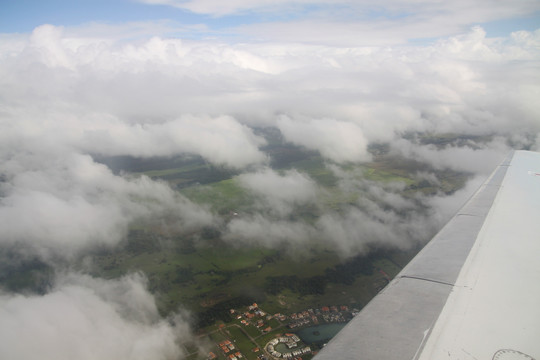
473, 292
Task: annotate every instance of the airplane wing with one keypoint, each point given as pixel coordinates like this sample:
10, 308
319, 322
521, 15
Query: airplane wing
473, 292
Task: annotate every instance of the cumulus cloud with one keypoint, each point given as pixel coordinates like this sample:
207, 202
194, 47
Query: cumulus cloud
86, 318
269, 232
145, 90
220, 140
383, 216
474, 158
379, 219
336, 140
280, 193
61, 204
67, 93
374, 215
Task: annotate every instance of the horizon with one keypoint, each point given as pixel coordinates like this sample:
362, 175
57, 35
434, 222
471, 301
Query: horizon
236, 22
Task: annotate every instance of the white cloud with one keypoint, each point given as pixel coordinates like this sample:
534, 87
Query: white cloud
65, 95
220, 140
475, 159
87, 318
467, 83
380, 217
220, 8
336, 140
280, 193
263, 231
56, 204
482, 10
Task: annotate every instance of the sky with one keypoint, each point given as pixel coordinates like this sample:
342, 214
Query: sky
167, 78
393, 21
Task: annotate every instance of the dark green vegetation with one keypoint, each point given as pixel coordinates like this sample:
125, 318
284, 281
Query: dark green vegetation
23, 274
211, 277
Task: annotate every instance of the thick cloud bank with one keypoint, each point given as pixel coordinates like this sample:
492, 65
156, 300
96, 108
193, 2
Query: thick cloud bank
69, 93
86, 318
160, 97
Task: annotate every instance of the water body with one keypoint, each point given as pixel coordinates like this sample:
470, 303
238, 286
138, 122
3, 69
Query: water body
319, 333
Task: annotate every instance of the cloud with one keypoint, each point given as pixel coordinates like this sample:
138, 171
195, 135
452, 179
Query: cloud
66, 94
265, 231
351, 23
220, 140
280, 193
217, 8
374, 215
336, 140
476, 158
380, 218
484, 10
173, 91
87, 318
373, 224
56, 204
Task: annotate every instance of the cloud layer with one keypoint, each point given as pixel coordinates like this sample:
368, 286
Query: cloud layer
67, 94
88, 318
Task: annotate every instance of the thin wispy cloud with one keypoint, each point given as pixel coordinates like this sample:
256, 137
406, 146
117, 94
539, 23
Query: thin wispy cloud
352, 22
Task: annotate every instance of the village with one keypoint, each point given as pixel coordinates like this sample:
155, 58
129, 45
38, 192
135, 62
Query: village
255, 334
